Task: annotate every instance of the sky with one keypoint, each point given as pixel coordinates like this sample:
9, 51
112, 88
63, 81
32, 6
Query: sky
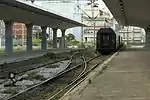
100, 2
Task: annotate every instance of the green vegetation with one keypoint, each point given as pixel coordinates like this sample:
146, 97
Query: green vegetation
50, 55
19, 48
73, 42
36, 42
4, 64
81, 45
70, 39
49, 43
89, 51
1, 50
55, 89
123, 46
36, 76
39, 77
10, 91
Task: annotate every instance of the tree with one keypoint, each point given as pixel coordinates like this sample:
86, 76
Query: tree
74, 42
70, 37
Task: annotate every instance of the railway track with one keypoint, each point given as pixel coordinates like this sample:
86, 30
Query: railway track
80, 78
21, 70
68, 65
54, 88
4, 73
23, 66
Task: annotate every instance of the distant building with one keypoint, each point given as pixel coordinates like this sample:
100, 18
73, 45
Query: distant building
79, 10
102, 20
133, 34
115, 26
19, 33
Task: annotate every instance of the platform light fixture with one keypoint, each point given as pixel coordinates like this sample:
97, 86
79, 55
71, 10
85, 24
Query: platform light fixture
101, 12
89, 3
121, 4
32, 1
95, 5
123, 10
122, 7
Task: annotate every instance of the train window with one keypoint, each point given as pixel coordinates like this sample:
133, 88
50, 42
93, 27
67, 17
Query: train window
85, 39
105, 37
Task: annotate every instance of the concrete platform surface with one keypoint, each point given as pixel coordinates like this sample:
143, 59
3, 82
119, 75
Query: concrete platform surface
20, 56
126, 78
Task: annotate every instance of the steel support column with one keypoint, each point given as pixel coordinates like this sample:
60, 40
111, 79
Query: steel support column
8, 37
54, 37
29, 37
147, 38
44, 39
63, 45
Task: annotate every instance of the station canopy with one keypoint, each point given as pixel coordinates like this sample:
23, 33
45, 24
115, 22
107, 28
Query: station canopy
21, 11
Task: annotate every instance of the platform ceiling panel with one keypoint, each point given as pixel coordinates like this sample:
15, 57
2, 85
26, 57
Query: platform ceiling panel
26, 17
21, 12
136, 11
113, 6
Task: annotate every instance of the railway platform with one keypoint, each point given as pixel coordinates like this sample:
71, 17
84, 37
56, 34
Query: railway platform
21, 56
127, 77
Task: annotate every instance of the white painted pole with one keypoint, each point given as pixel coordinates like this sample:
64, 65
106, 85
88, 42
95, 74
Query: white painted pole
22, 34
0, 43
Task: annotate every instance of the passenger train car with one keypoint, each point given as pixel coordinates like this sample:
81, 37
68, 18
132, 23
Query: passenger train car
107, 41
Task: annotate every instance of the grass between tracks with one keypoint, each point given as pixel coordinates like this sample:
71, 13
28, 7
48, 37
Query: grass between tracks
35, 75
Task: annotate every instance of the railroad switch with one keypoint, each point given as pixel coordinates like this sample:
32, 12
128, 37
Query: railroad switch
12, 77
90, 81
